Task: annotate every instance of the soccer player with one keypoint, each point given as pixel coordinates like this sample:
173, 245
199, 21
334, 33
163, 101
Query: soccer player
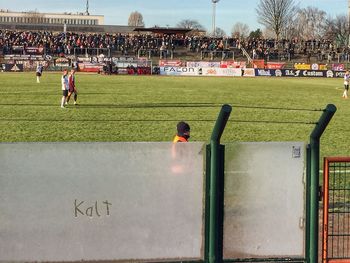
65, 87
72, 87
346, 84
39, 72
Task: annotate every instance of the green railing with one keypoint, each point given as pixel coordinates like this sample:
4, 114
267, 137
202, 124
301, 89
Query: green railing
215, 192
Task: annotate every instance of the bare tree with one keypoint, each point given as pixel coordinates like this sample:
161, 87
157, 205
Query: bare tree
338, 30
136, 19
219, 32
190, 24
275, 14
240, 30
310, 23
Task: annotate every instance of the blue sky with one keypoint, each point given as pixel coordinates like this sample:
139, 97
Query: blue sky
168, 12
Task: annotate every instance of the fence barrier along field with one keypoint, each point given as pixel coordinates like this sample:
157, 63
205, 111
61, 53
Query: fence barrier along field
161, 202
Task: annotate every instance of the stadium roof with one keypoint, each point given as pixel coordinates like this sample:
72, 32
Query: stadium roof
70, 28
163, 30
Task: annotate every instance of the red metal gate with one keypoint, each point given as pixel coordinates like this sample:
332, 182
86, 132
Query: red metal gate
336, 210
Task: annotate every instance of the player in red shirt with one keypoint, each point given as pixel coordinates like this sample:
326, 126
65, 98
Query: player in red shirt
72, 87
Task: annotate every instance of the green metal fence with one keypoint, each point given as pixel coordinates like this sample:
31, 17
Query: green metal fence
215, 186
336, 210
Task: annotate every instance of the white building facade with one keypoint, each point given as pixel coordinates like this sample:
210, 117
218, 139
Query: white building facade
7, 16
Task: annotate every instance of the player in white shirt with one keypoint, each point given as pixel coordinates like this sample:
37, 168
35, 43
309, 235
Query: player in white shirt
65, 87
346, 84
39, 72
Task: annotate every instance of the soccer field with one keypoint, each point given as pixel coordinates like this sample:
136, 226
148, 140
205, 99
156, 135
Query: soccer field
147, 108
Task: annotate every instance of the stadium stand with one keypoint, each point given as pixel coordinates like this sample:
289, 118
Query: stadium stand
166, 46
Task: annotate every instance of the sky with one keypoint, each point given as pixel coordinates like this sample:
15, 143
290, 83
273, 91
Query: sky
169, 12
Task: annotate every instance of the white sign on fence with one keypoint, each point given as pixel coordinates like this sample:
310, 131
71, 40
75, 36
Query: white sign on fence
264, 200
179, 71
101, 201
222, 72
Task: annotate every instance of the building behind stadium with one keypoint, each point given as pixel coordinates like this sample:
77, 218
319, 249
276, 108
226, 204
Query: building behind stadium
33, 17
58, 22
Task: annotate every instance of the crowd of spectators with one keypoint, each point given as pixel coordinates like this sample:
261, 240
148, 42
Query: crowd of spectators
59, 44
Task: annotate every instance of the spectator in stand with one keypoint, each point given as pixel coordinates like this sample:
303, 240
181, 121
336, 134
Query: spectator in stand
60, 44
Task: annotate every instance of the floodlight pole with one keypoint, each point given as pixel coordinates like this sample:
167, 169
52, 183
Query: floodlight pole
348, 23
214, 16
312, 184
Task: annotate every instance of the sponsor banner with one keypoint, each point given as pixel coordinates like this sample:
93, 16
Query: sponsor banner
203, 64
301, 66
233, 64
248, 72
83, 59
299, 73
34, 50
265, 72
31, 64
13, 67
314, 66
338, 67
305, 73
170, 63
275, 65
258, 63
90, 67
62, 62
180, 71
222, 72
25, 57
337, 74
126, 64
322, 67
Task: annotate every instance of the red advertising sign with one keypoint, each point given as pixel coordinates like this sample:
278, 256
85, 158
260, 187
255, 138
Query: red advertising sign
275, 65
34, 50
89, 67
338, 67
170, 63
233, 64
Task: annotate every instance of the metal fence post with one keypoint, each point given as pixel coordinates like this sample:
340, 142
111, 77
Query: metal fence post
215, 190
312, 185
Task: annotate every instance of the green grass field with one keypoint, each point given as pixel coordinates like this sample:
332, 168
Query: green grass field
147, 108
